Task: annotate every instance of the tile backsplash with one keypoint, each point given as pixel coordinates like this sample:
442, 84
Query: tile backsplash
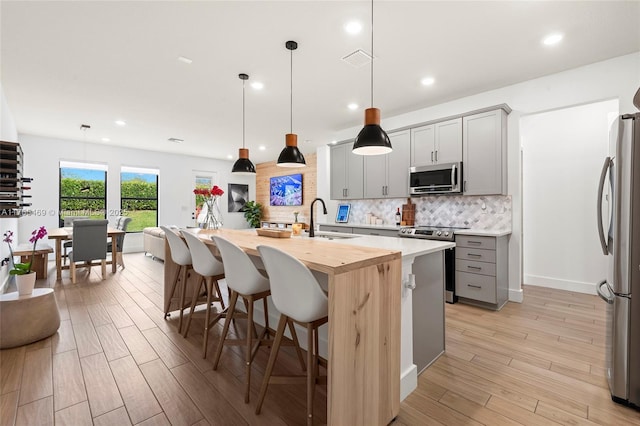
489, 212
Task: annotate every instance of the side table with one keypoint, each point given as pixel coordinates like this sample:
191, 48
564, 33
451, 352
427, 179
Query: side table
40, 257
27, 319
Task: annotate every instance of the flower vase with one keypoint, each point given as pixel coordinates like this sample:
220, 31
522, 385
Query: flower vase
213, 218
25, 283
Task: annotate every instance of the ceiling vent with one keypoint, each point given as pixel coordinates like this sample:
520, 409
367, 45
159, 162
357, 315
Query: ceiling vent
358, 58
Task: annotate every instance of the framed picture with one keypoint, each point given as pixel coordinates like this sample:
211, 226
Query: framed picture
285, 190
237, 196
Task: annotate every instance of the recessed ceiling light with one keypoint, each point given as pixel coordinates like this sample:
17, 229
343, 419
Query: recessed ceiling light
262, 147
230, 157
184, 60
353, 27
427, 81
257, 85
120, 123
106, 140
552, 39
352, 106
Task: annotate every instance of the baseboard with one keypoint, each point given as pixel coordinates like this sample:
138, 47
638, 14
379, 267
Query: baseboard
408, 381
515, 295
575, 286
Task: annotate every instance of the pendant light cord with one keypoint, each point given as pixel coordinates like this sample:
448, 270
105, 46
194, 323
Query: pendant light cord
243, 82
372, 54
291, 94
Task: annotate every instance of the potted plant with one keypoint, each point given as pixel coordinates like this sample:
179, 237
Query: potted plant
253, 212
25, 277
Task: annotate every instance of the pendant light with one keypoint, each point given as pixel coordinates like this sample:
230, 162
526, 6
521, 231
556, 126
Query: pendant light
372, 139
291, 155
243, 165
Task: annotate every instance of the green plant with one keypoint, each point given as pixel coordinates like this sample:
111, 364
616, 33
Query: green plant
24, 268
253, 212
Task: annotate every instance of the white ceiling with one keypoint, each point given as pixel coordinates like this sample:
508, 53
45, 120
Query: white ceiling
67, 63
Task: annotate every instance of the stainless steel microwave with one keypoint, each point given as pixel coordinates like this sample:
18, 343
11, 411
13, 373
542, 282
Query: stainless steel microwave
443, 178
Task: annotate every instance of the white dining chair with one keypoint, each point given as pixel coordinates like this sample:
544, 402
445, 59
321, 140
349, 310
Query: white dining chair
181, 256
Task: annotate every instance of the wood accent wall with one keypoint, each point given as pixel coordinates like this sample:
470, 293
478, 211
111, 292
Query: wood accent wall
264, 171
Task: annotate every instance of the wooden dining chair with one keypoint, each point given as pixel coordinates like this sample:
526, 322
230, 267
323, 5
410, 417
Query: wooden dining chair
89, 244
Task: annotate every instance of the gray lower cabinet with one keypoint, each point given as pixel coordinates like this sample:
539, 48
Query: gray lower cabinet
482, 270
377, 232
330, 228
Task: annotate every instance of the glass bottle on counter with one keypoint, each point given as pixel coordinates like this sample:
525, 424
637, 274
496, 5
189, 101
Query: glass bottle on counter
398, 217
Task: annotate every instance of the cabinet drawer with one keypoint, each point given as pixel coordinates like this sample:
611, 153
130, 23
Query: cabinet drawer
378, 232
476, 242
474, 267
478, 255
343, 229
476, 287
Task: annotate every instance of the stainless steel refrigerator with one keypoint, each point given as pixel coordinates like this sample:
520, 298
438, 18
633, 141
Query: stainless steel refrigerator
620, 177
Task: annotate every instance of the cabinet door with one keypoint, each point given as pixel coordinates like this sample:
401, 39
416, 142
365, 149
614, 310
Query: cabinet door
375, 175
448, 141
485, 153
398, 165
338, 172
423, 141
354, 174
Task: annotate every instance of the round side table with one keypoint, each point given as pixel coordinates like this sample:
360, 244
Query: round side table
27, 319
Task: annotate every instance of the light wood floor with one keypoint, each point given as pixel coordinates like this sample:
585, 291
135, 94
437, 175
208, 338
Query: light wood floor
116, 361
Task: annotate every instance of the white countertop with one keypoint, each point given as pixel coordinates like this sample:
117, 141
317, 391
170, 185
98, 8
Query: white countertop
409, 247
484, 232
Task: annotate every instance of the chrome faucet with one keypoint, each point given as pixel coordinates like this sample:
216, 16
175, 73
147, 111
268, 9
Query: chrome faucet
324, 210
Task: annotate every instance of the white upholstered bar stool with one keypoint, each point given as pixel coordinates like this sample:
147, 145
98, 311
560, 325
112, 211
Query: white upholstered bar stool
181, 256
246, 281
210, 270
298, 296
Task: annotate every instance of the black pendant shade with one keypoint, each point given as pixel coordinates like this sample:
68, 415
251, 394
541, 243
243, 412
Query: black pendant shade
372, 139
243, 165
291, 156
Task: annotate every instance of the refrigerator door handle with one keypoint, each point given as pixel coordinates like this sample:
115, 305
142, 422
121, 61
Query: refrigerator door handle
603, 176
606, 297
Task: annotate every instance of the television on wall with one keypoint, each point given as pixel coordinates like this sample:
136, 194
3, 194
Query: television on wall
285, 190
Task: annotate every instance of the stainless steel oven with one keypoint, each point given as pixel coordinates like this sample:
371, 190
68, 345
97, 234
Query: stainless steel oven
442, 234
437, 179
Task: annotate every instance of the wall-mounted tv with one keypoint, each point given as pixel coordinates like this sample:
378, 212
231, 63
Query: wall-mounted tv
286, 190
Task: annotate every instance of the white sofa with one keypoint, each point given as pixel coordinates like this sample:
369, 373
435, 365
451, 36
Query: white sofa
153, 241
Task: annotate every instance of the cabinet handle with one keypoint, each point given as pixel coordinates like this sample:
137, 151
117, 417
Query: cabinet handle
474, 286
477, 268
464, 186
432, 156
474, 242
474, 255
436, 156
374, 233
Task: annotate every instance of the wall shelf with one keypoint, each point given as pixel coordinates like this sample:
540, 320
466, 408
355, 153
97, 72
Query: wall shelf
12, 180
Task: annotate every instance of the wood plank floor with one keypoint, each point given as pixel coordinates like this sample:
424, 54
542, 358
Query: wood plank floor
116, 361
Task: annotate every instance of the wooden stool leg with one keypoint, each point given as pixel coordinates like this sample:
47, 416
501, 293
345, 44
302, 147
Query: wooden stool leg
310, 374
167, 304
266, 317
219, 293
183, 290
207, 321
194, 300
225, 329
247, 360
272, 360
296, 344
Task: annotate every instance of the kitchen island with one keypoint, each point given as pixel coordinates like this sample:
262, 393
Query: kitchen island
366, 307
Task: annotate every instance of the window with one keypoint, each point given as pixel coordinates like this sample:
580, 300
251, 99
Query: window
83, 190
139, 197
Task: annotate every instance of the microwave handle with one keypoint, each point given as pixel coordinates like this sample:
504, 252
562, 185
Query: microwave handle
454, 177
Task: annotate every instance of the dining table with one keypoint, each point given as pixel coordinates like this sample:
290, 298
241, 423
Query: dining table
62, 234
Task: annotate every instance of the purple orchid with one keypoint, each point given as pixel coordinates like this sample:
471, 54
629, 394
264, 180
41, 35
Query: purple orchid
24, 268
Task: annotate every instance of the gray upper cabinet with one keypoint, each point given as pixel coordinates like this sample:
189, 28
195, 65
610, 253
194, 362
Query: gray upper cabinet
346, 173
387, 176
437, 143
485, 153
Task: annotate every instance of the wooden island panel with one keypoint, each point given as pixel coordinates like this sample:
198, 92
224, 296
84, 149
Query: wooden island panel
363, 386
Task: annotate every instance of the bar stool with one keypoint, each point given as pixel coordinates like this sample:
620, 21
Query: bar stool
246, 281
298, 296
210, 270
182, 257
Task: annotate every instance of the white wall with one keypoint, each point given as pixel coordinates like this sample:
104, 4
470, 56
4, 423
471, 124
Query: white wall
563, 151
43, 155
616, 78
